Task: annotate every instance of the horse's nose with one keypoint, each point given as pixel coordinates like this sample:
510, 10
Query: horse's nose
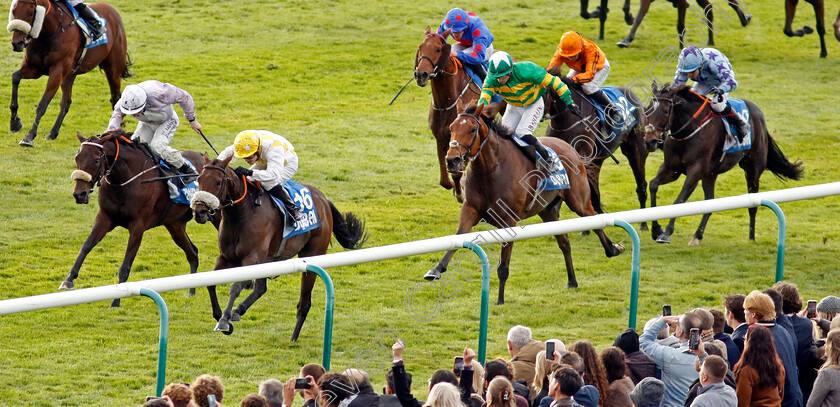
82, 197
454, 165
17, 46
201, 215
421, 78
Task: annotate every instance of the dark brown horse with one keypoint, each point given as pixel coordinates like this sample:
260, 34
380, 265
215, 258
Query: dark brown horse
251, 232
601, 14
452, 89
691, 137
594, 146
58, 51
127, 198
705, 14
819, 14
501, 188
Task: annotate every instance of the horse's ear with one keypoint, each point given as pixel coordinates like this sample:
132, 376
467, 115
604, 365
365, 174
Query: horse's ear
446, 33
428, 30
206, 158
226, 162
80, 137
653, 87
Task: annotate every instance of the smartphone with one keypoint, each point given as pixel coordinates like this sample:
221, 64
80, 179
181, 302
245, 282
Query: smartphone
812, 309
302, 383
666, 310
549, 351
694, 341
459, 365
211, 400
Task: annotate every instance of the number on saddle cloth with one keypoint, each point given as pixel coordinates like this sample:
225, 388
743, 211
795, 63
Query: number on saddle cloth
87, 30
626, 109
731, 143
557, 180
303, 199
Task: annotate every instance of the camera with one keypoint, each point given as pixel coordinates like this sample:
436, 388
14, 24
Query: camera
666, 310
302, 383
549, 351
459, 365
812, 309
694, 340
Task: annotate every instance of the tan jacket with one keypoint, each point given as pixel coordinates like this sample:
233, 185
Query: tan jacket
525, 361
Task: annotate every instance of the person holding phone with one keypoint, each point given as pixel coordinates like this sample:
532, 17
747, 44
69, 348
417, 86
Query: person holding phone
676, 364
807, 356
760, 375
523, 349
207, 385
826, 390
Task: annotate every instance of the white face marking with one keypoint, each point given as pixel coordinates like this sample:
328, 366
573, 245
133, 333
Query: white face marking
463, 121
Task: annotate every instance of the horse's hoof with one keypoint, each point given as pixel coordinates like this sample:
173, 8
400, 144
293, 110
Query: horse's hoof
628, 18
115, 304
52, 136
746, 20
585, 232
458, 197
235, 317
26, 143
65, 285
572, 284
623, 43
620, 247
224, 326
644, 227
228, 332
15, 125
807, 29
191, 293
432, 275
694, 242
663, 238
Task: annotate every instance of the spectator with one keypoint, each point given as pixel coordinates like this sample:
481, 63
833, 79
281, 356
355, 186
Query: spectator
444, 395
330, 390
760, 374
500, 393
477, 383
781, 319
501, 367
759, 309
158, 402
205, 385
827, 309
540, 383
713, 392
588, 395
523, 352
401, 385
565, 382
807, 358
677, 365
179, 393
255, 400
711, 348
595, 373
733, 353
826, 392
664, 336
272, 390
618, 394
648, 393
638, 364
388, 398
364, 396
734, 311
707, 321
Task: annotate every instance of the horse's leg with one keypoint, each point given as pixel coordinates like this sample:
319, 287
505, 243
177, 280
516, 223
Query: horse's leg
584, 9
682, 6
224, 323
101, 226
628, 16
260, 287
442, 141
753, 176
692, 177
456, 188
504, 270
468, 219
602, 17
14, 121
135, 237
819, 12
663, 176
708, 193
66, 100
742, 13
643, 9
581, 204
307, 282
114, 68
57, 74
790, 13
634, 149
836, 25
551, 214
178, 231
709, 15
221, 263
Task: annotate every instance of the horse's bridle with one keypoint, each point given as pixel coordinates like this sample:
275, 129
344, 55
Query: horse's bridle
47, 12
456, 144
223, 190
101, 171
438, 69
666, 131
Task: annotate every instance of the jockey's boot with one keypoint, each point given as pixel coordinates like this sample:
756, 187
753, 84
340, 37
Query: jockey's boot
609, 109
189, 176
478, 69
544, 160
279, 192
90, 17
742, 127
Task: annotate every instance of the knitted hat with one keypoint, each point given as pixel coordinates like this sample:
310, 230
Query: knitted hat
829, 305
628, 341
648, 393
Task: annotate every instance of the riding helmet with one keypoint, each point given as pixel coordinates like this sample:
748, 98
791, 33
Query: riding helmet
133, 99
571, 44
456, 20
501, 64
246, 144
690, 59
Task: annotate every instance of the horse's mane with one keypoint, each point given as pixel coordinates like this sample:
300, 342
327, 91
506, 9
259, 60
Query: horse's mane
118, 136
492, 124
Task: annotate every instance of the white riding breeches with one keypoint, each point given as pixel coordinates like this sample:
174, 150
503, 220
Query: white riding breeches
703, 89
595, 84
158, 136
523, 120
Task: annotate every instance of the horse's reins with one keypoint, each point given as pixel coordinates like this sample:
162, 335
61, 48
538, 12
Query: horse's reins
104, 159
703, 122
458, 145
61, 28
223, 189
439, 68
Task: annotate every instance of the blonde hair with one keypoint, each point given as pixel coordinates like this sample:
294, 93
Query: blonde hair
541, 369
478, 375
444, 394
761, 305
832, 350
500, 393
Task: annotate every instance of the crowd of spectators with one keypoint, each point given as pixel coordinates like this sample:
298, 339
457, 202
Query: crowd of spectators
765, 348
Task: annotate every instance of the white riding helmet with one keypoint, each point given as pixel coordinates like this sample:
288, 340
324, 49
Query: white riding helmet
133, 99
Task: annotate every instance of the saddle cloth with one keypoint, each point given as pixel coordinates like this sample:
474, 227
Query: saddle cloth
179, 195
557, 180
626, 110
477, 80
731, 144
303, 199
87, 30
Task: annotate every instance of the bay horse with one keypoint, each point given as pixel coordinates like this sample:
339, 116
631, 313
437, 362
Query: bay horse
58, 50
251, 232
819, 13
601, 14
501, 188
691, 137
452, 89
593, 146
706, 15
129, 197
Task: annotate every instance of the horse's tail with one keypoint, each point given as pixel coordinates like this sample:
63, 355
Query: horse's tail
128, 63
779, 165
348, 229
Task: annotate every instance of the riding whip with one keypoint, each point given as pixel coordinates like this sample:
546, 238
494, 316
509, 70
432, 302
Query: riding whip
401, 89
208, 142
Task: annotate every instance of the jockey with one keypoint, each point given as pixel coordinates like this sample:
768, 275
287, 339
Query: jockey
474, 40
151, 102
522, 86
588, 68
90, 18
713, 76
273, 160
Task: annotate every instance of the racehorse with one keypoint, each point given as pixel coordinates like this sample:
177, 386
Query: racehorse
691, 138
601, 14
452, 89
55, 46
819, 12
501, 188
251, 232
594, 147
682, 5
129, 197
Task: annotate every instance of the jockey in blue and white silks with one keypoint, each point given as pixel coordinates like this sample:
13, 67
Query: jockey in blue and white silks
714, 78
474, 40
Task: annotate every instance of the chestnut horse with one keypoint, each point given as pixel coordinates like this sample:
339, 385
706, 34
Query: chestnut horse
58, 50
251, 232
128, 197
706, 15
452, 90
691, 136
501, 188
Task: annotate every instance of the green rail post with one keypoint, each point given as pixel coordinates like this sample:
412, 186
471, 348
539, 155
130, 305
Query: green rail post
164, 336
328, 313
780, 247
634, 274
485, 298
